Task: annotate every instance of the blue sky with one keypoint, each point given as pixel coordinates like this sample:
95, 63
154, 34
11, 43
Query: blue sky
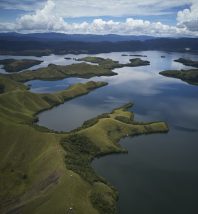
149, 17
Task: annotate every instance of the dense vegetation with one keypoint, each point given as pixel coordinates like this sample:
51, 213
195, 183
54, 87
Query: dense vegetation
14, 65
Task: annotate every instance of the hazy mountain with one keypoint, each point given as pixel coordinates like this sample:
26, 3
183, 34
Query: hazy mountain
72, 37
47, 43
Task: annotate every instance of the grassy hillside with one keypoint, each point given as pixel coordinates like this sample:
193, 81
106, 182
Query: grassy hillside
32, 169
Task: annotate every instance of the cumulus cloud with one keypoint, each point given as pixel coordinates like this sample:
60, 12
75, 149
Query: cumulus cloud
43, 19
47, 19
188, 18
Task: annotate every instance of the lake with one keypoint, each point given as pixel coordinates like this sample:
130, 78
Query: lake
159, 175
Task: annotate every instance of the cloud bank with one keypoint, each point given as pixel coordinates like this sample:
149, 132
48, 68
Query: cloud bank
48, 19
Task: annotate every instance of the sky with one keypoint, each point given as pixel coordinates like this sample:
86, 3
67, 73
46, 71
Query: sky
162, 18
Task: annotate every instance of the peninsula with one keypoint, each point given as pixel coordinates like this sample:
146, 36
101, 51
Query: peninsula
189, 76
187, 62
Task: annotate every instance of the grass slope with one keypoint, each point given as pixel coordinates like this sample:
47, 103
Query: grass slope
33, 175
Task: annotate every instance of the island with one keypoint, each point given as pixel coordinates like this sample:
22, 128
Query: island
189, 76
187, 62
15, 65
103, 67
111, 64
55, 72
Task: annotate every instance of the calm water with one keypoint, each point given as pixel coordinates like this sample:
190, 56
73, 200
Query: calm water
159, 175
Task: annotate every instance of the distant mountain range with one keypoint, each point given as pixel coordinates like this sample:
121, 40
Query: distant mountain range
39, 44
72, 37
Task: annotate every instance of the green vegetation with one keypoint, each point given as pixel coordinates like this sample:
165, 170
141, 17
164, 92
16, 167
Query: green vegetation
104, 63
33, 176
189, 76
187, 62
14, 65
84, 70
54, 72
7, 84
111, 64
137, 62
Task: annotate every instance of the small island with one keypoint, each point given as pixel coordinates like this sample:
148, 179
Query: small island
136, 55
187, 62
189, 76
137, 62
14, 65
111, 64
103, 67
56, 72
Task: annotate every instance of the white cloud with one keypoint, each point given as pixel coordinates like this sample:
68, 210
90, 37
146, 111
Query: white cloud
47, 19
188, 18
43, 19
79, 8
